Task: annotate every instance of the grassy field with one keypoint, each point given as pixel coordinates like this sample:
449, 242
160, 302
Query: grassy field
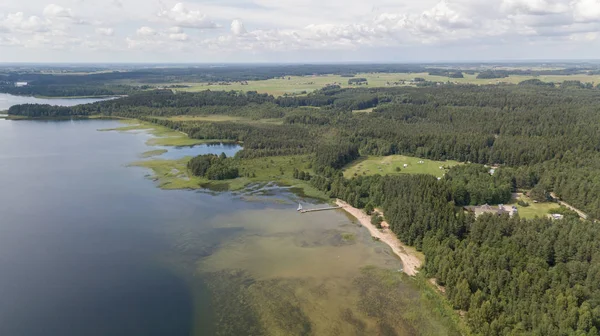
153, 153
300, 84
534, 209
369, 110
387, 165
173, 174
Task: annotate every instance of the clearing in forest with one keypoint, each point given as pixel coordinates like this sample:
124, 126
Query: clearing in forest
397, 164
533, 210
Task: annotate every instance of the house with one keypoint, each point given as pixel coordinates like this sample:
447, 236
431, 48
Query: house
556, 216
500, 209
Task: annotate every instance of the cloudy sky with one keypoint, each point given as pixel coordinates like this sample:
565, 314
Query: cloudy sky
297, 30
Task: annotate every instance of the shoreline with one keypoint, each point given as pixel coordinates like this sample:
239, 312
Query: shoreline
410, 262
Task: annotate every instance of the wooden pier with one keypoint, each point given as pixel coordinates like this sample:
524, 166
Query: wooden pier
320, 209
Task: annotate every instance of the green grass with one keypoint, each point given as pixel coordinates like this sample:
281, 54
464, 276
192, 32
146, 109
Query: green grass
534, 209
369, 110
437, 303
152, 153
350, 237
173, 174
388, 165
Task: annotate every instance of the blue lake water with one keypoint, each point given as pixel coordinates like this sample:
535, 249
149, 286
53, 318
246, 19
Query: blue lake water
90, 246
7, 100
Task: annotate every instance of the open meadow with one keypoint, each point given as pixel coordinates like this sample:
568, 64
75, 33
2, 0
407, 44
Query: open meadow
395, 164
534, 209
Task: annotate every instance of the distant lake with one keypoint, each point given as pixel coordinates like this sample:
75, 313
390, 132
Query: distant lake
8, 100
90, 246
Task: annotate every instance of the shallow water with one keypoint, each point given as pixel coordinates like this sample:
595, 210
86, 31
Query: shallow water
89, 246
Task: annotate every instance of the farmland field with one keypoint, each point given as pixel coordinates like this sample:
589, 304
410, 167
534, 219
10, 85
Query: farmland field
307, 84
387, 165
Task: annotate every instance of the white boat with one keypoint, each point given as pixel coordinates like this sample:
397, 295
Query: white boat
299, 207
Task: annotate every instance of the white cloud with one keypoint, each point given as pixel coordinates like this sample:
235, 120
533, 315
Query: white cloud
307, 27
237, 27
181, 16
586, 10
20, 23
105, 31
175, 30
9, 41
117, 3
179, 37
535, 7
53, 10
146, 31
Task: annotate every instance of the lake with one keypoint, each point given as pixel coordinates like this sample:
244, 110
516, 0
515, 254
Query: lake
90, 246
8, 100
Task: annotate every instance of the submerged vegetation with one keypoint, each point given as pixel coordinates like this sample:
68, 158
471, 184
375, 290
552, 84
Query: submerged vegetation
388, 303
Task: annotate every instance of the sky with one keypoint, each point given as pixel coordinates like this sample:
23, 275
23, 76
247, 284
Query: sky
220, 31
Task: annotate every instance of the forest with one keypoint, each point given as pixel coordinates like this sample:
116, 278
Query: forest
510, 276
213, 167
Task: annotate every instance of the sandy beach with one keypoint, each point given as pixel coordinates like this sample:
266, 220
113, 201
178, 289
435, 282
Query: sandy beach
411, 263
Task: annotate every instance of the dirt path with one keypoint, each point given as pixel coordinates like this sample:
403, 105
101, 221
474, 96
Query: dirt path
411, 263
579, 212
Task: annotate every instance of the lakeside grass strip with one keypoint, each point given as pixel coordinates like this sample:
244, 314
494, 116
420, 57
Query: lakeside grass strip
173, 174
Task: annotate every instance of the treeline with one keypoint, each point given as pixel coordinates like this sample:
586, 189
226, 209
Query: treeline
43, 111
491, 74
474, 185
358, 81
446, 73
259, 139
69, 90
213, 167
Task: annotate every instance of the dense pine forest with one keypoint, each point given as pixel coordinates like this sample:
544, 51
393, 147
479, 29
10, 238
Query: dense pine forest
510, 276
